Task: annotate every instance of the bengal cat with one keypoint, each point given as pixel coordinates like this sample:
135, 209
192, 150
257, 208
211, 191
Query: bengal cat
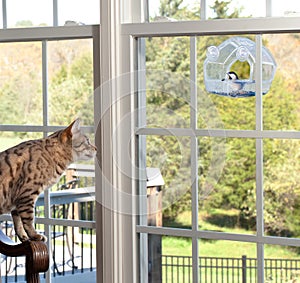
32, 166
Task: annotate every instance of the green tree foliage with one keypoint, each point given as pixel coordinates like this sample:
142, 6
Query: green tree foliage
70, 84
71, 91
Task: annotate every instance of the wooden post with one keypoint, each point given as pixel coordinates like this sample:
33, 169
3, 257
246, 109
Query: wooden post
154, 196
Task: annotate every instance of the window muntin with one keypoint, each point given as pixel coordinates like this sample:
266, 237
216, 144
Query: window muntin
237, 138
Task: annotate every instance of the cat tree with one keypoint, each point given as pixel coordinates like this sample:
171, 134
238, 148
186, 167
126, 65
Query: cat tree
36, 253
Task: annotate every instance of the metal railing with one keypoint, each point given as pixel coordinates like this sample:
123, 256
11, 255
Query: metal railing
178, 269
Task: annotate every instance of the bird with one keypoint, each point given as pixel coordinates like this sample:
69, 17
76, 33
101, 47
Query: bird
233, 81
231, 76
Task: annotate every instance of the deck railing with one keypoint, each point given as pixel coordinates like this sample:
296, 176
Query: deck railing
72, 246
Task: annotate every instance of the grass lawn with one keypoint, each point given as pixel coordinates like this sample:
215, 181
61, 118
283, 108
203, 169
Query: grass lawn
219, 248
216, 270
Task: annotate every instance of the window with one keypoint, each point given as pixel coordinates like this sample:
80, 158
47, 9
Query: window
46, 82
184, 132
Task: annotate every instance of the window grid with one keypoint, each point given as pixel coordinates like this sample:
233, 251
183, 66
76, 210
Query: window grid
260, 239
40, 34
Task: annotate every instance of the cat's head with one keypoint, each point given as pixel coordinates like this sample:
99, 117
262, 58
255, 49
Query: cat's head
82, 149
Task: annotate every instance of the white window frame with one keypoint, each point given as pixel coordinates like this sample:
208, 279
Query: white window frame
123, 246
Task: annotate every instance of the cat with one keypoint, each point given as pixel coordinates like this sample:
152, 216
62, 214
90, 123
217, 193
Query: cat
32, 166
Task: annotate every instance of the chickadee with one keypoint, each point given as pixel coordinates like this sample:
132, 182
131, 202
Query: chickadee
231, 78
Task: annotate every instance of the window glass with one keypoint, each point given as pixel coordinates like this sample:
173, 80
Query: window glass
10, 139
70, 67
285, 8
281, 183
169, 181
219, 261
281, 105
74, 12
21, 83
227, 186
220, 103
29, 13
178, 10
176, 259
167, 83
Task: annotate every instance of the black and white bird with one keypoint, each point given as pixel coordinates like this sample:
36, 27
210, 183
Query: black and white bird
233, 80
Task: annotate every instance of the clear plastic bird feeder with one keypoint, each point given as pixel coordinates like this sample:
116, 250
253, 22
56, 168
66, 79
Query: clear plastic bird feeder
220, 60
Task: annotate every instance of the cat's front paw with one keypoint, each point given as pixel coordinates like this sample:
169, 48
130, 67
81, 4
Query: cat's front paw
38, 237
23, 238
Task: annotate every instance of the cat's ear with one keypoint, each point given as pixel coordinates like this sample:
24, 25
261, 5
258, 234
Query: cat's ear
75, 127
70, 131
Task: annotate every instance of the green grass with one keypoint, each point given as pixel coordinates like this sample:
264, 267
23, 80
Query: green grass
219, 248
179, 246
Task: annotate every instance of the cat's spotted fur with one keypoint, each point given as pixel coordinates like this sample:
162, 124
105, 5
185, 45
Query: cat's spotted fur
30, 167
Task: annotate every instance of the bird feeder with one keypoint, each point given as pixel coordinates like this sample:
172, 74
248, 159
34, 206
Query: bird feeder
222, 59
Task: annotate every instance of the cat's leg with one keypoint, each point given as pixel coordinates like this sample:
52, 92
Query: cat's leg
27, 219
18, 225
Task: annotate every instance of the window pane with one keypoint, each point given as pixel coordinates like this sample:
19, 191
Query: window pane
281, 263
175, 11
227, 203
78, 12
10, 139
236, 9
220, 262
167, 82
285, 8
29, 13
281, 105
21, 83
176, 259
281, 187
170, 155
70, 65
222, 103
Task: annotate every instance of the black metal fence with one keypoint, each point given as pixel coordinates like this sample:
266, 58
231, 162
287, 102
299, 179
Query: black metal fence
178, 269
